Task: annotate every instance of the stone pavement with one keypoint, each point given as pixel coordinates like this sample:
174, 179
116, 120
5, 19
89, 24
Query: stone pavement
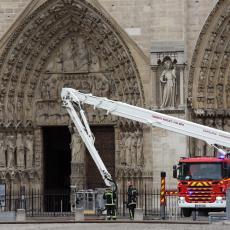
112, 226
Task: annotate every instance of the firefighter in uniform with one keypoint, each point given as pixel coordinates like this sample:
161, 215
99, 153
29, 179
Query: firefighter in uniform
110, 198
132, 200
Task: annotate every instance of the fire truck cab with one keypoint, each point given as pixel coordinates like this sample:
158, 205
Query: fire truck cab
203, 182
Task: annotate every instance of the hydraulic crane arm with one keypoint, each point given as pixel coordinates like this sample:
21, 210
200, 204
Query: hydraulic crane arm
210, 135
86, 135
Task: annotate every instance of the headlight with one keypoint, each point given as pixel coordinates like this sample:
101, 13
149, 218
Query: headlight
219, 198
182, 199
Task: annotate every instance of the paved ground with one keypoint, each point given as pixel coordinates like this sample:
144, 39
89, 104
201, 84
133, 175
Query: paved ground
113, 226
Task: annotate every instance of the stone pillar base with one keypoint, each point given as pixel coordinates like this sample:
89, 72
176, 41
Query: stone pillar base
139, 214
79, 214
21, 215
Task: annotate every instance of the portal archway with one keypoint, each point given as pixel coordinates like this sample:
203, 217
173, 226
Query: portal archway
209, 82
62, 43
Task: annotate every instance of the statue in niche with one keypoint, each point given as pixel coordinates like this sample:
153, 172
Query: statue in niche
219, 123
227, 125
1, 107
20, 109
29, 150
10, 149
94, 63
76, 146
2, 151
133, 149
168, 84
10, 109
20, 150
52, 88
140, 160
44, 90
128, 156
122, 148
29, 107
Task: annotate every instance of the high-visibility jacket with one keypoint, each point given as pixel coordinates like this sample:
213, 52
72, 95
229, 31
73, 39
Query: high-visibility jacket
110, 197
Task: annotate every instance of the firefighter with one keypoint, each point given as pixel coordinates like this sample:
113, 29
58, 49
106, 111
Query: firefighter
132, 200
110, 198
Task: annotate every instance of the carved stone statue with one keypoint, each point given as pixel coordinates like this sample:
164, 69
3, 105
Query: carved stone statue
219, 124
168, 80
227, 125
2, 151
122, 148
20, 149
76, 148
133, 149
140, 160
128, 140
10, 145
29, 150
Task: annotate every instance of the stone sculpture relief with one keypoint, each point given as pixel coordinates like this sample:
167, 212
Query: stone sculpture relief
131, 148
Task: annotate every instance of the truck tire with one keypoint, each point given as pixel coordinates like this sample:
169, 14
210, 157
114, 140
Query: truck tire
186, 212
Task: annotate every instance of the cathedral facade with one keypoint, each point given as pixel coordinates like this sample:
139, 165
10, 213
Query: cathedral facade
167, 56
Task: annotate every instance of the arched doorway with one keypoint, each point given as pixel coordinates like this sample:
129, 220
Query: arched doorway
63, 43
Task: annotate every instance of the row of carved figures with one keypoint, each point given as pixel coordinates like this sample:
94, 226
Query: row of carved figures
16, 150
131, 148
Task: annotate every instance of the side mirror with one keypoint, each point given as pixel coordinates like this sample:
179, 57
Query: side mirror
175, 171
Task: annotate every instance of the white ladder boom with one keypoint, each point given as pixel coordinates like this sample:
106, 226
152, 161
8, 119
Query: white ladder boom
210, 135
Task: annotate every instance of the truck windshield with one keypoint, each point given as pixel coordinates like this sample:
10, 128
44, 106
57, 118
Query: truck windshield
200, 171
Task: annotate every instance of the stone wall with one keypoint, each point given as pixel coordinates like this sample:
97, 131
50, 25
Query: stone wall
147, 21
9, 11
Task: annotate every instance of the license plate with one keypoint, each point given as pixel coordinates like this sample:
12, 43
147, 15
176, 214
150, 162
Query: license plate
200, 205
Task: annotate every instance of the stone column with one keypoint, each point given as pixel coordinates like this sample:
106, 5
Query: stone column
154, 86
181, 103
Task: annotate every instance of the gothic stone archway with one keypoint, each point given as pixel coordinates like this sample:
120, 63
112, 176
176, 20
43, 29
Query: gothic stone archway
62, 43
209, 79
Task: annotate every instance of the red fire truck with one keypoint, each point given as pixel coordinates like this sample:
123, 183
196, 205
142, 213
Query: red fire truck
203, 182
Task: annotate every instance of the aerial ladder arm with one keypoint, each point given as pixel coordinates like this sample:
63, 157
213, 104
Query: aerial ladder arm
81, 123
210, 135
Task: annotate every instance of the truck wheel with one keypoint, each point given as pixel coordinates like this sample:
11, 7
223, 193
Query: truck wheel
186, 212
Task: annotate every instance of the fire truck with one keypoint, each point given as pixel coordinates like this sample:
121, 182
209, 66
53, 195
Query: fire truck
202, 181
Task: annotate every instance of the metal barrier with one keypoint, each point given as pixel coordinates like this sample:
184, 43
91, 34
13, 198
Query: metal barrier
58, 204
